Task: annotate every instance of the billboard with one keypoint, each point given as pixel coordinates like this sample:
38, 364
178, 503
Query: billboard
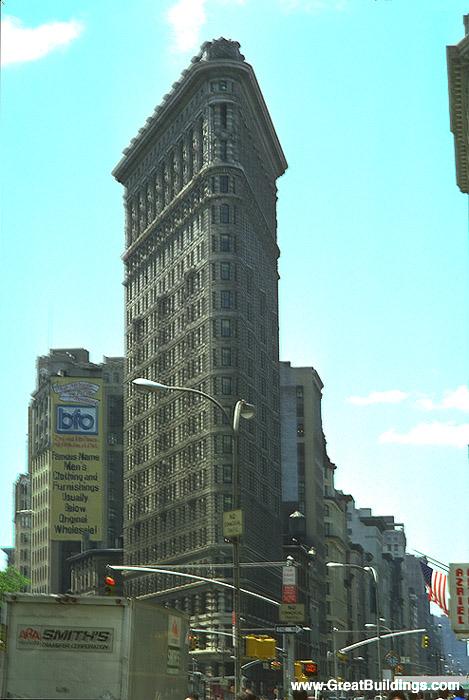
77, 488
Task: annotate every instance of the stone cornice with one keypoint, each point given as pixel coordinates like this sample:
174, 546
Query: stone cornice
191, 78
458, 75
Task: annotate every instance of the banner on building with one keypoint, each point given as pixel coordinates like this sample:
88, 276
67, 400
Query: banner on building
459, 599
77, 488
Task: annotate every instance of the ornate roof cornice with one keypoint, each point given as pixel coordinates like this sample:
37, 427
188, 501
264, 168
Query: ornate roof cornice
216, 54
458, 85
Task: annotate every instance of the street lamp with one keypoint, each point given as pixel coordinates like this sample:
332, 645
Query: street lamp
245, 410
374, 573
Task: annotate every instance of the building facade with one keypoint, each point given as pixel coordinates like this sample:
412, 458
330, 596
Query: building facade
202, 312
458, 84
22, 523
88, 572
303, 459
66, 487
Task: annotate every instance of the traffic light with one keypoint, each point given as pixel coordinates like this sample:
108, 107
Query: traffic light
266, 646
276, 665
193, 642
110, 585
305, 670
260, 647
250, 646
425, 641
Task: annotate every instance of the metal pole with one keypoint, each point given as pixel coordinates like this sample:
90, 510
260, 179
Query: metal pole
288, 641
336, 660
236, 561
378, 621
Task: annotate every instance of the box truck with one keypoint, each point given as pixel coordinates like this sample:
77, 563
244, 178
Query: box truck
92, 647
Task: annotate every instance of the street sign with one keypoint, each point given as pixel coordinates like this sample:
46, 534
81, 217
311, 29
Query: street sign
289, 594
232, 523
392, 659
459, 599
289, 584
292, 612
288, 629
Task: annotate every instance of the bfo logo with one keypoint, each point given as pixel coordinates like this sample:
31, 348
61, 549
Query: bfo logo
77, 420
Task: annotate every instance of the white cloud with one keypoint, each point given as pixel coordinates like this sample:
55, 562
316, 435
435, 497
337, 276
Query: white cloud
457, 399
435, 433
187, 17
377, 397
21, 44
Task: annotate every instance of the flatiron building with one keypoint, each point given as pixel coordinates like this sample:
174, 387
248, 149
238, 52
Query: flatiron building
201, 284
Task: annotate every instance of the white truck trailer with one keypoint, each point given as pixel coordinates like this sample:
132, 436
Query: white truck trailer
92, 648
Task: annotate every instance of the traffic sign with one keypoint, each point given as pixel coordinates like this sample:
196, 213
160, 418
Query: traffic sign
232, 523
292, 612
288, 629
289, 594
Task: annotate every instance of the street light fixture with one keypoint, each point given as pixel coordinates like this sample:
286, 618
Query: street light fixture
242, 409
374, 573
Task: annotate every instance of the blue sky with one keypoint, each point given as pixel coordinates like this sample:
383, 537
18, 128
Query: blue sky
372, 227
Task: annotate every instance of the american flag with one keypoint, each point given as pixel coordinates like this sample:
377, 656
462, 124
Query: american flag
436, 585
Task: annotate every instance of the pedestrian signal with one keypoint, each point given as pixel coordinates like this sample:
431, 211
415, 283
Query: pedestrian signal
305, 670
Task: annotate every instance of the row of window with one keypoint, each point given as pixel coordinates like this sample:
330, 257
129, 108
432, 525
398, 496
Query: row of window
173, 172
196, 538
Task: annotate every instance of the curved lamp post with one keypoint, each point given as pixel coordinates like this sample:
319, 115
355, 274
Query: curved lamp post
245, 410
374, 573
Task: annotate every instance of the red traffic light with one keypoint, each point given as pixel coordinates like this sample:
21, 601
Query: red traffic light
310, 669
110, 581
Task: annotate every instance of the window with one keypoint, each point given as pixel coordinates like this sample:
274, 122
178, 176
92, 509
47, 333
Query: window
227, 473
225, 328
226, 444
222, 86
225, 271
223, 183
223, 116
226, 386
226, 357
300, 429
223, 150
226, 299
225, 243
224, 214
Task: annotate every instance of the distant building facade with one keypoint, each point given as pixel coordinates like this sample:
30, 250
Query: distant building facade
88, 572
303, 466
453, 650
53, 469
458, 83
22, 524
